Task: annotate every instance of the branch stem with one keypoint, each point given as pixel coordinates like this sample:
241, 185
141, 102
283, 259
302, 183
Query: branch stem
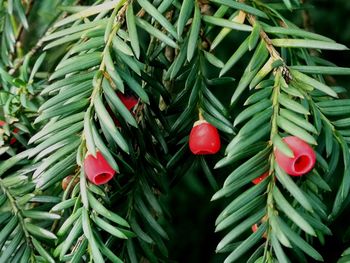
273, 52
17, 211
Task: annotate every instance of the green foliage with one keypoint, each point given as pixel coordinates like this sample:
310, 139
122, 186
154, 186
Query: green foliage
59, 102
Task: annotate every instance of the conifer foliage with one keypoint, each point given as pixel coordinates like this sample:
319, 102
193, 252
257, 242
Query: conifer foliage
112, 103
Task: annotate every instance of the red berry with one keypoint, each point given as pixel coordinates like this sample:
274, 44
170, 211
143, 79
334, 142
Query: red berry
97, 169
260, 178
128, 101
13, 140
204, 138
15, 130
304, 157
255, 228
115, 120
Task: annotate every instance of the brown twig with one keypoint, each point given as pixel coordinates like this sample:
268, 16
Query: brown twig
273, 52
21, 29
30, 53
275, 55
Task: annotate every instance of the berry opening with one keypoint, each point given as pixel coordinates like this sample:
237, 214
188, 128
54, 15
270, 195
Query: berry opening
103, 178
302, 164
